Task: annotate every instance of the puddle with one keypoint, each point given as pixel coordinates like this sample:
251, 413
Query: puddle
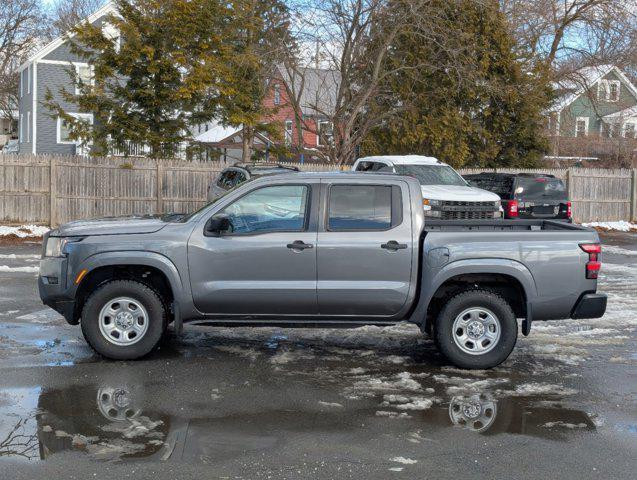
119, 422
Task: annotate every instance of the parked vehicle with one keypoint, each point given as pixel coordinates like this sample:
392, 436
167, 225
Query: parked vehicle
239, 173
11, 147
527, 195
320, 249
446, 195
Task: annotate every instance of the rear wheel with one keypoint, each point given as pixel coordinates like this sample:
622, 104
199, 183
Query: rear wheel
123, 320
476, 329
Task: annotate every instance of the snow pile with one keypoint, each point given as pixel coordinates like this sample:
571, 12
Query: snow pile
23, 231
8, 269
620, 226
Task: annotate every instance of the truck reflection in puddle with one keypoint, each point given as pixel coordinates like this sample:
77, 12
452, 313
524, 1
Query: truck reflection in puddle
114, 423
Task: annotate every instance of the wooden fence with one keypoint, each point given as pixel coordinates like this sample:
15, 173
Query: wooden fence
53, 189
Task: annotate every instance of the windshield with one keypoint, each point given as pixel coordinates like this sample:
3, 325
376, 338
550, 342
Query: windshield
540, 188
432, 174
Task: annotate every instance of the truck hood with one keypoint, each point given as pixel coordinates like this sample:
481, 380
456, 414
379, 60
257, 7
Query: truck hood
457, 193
112, 226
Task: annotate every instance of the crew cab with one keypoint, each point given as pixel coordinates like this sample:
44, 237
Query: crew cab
446, 195
320, 250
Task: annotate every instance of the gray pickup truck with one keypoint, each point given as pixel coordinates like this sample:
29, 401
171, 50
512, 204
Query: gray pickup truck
320, 250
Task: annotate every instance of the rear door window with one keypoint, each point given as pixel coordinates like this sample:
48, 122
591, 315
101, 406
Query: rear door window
226, 179
370, 166
363, 207
540, 188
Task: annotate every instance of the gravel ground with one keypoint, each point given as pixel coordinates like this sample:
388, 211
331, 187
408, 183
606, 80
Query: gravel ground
372, 403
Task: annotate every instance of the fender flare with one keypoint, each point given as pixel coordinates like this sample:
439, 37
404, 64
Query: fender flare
512, 268
136, 257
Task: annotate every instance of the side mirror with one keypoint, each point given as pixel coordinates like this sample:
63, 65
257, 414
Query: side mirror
218, 225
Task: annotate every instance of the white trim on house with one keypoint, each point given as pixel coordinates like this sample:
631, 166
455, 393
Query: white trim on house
21, 86
58, 136
43, 52
68, 63
29, 75
585, 120
21, 128
28, 133
34, 108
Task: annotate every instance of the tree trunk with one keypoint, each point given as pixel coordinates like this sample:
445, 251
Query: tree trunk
246, 140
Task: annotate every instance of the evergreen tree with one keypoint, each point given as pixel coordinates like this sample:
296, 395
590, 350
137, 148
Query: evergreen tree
154, 80
464, 98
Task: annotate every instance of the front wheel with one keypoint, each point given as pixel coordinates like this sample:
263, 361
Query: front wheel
476, 329
123, 320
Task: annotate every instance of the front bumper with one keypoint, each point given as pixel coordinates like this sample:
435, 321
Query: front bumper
590, 305
52, 286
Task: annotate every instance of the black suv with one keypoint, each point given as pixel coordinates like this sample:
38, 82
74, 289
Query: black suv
527, 195
242, 172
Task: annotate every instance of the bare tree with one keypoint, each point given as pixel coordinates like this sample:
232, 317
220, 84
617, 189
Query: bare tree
66, 14
340, 67
553, 33
20, 23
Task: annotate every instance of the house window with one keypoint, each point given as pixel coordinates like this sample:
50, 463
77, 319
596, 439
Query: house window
64, 131
608, 90
277, 94
613, 91
84, 76
581, 127
629, 130
112, 33
288, 132
28, 130
325, 133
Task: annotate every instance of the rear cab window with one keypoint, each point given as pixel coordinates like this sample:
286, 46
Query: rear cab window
363, 207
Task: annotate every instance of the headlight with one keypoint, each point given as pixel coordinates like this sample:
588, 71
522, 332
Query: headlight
432, 203
55, 246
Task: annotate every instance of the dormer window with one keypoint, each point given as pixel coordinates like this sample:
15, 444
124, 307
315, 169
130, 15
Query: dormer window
608, 90
84, 76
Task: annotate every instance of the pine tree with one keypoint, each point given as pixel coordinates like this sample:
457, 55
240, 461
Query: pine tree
160, 78
464, 97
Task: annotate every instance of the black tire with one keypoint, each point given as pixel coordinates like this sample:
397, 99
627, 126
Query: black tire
443, 329
141, 293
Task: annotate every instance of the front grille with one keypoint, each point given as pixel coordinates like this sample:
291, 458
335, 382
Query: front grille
466, 215
457, 210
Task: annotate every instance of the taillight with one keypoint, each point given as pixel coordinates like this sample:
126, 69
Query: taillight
594, 264
569, 212
512, 208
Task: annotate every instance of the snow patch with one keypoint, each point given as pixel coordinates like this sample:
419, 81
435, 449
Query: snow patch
403, 460
388, 414
23, 231
330, 404
370, 387
535, 388
619, 226
560, 424
615, 250
7, 269
14, 256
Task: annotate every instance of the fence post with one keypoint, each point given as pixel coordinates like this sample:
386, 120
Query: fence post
158, 185
633, 196
53, 193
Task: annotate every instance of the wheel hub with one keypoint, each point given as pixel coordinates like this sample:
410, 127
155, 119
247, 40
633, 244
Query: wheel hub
475, 329
124, 320
472, 410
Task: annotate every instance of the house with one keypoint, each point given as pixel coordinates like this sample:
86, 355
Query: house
309, 91
594, 101
8, 123
49, 68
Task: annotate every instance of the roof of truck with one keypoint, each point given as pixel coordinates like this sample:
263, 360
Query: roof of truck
404, 159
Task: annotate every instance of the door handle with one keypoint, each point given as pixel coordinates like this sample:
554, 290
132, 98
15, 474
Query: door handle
299, 245
393, 245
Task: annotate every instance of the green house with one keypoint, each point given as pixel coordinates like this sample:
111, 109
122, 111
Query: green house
594, 101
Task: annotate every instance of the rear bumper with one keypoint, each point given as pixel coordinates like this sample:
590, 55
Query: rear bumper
590, 305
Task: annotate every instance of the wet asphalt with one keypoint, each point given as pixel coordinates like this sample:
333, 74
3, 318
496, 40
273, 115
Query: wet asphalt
373, 403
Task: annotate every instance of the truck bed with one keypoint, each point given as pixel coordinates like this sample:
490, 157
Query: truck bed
496, 225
